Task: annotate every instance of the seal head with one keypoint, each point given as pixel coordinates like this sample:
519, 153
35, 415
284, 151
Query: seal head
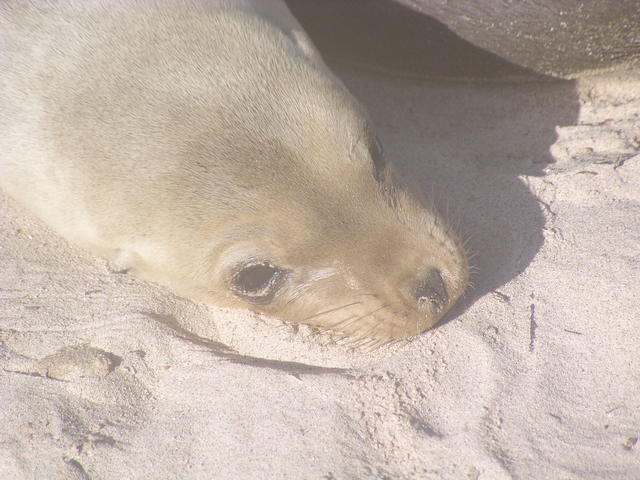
230, 165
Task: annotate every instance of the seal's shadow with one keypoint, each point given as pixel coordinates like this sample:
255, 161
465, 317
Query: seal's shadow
471, 145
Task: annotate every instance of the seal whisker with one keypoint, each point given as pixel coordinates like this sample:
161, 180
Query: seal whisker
330, 311
375, 327
359, 343
344, 323
353, 342
349, 321
388, 343
370, 345
342, 339
297, 295
305, 288
341, 322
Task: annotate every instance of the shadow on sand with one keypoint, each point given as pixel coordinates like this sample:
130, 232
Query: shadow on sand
469, 127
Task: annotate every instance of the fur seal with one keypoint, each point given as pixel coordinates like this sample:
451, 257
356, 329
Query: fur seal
205, 146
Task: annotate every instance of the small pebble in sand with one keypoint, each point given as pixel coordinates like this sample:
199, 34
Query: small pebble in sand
71, 363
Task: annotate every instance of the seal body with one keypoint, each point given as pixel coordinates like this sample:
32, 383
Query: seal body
205, 146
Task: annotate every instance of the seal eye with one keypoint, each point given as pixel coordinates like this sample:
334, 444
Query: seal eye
257, 282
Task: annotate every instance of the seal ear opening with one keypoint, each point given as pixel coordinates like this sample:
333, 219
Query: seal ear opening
379, 160
302, 41
369, 144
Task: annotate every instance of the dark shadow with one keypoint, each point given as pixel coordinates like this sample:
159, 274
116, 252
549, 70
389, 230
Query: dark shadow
384, 35
470, 145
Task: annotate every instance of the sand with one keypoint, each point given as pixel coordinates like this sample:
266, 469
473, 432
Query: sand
535, 375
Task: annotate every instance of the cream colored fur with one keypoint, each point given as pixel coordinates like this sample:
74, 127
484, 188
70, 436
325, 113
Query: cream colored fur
182, 138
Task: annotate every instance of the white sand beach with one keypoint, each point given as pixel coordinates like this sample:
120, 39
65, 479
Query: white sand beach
535, 375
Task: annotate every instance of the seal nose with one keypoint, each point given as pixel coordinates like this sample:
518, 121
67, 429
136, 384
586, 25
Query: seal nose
431, 293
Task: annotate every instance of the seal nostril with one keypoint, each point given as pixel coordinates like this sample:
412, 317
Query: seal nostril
431, 291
